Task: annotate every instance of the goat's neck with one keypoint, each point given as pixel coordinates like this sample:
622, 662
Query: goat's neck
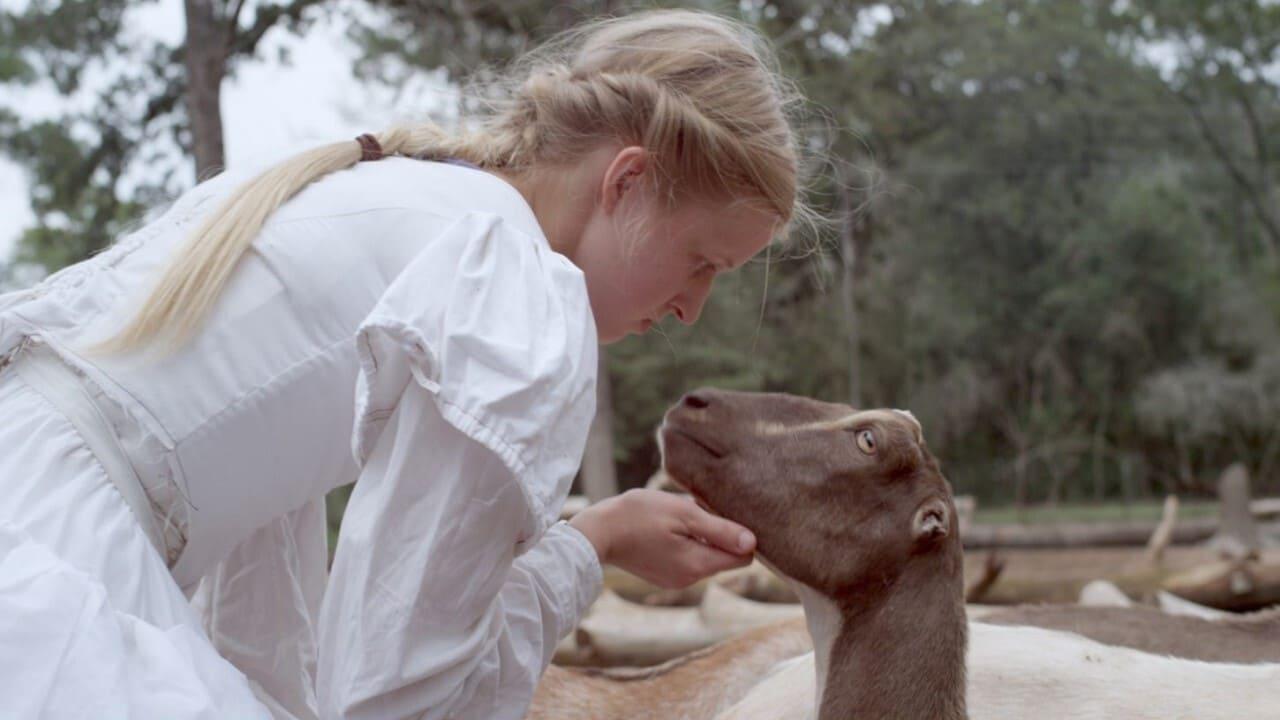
880, 662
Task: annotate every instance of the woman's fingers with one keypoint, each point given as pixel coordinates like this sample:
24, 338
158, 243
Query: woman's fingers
724, 534
665, 539
704, 560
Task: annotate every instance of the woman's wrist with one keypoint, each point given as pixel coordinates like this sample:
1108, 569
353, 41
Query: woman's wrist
592, 522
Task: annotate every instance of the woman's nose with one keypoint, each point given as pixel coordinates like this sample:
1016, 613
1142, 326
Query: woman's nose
689, 308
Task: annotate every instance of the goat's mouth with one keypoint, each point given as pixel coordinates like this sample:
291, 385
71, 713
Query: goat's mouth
683, 480
668, 431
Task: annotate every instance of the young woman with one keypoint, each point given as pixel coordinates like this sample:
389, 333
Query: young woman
415, 312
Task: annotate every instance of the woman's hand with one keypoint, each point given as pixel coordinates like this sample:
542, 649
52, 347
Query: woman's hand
664, 538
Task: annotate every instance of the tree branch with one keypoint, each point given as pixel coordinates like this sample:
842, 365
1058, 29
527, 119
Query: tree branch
246, 42
1259, 137
1234, 171
233, 21
164, 103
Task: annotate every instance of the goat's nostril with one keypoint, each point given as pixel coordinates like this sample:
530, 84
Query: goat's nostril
695, 401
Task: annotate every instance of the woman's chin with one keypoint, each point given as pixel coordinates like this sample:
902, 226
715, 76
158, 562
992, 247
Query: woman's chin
615, 333
608, 337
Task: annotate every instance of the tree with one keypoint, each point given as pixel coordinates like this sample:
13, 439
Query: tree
1224, 78
146, 97
1053, 223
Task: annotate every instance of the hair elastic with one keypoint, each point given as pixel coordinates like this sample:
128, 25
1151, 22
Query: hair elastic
369, 144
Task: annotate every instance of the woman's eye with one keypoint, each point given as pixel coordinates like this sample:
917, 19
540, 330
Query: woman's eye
867, 442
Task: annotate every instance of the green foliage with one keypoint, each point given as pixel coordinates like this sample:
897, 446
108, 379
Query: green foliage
462, 38
1054, 247
78, 163
75, 161
76, 215
1061, 219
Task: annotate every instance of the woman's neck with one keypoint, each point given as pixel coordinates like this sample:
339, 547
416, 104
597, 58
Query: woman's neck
561, 199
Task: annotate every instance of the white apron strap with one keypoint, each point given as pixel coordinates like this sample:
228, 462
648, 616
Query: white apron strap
41, 369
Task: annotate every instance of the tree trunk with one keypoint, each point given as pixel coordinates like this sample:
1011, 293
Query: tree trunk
205, 58
599, 479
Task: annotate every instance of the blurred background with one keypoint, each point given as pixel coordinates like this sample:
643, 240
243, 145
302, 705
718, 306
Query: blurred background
1055, 227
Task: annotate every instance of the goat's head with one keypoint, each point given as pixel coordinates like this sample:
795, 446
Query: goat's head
844, 501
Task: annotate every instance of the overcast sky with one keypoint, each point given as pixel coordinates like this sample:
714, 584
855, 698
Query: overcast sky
268, 110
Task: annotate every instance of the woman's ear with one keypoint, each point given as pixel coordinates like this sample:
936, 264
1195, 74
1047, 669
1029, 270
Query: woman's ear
622, 175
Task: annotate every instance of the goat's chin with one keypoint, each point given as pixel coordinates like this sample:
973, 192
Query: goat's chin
700, 502
685, 486
680, 482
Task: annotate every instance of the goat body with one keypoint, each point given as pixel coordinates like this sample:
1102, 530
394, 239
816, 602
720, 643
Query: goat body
1016, 673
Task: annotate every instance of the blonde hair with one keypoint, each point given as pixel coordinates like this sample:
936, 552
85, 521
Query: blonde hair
702, 93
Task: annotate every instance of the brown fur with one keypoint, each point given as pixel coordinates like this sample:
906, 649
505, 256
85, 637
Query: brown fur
874, 533
1248, 639
843, 522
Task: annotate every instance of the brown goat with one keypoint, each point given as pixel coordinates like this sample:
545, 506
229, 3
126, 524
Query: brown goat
853, 509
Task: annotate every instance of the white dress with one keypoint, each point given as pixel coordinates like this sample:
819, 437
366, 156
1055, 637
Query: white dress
402, 324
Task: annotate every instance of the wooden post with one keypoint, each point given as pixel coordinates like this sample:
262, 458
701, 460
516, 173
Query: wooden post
1163, 534
1237, 536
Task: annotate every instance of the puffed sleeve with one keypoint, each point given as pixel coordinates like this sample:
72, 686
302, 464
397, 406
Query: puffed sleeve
474, 399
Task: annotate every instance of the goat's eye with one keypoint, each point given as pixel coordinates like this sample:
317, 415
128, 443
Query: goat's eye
867, 442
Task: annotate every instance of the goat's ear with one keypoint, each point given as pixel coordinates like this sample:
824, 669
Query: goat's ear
932, 521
